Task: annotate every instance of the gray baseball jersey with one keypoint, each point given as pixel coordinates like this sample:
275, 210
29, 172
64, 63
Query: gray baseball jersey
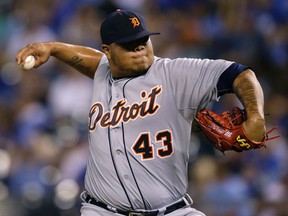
139, 130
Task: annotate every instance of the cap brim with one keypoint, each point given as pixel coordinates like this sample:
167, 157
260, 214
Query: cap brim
136, 36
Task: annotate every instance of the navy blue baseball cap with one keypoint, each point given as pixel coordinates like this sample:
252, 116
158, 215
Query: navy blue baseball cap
123, 26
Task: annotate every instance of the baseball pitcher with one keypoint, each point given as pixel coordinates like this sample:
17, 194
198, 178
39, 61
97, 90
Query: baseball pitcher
141, 114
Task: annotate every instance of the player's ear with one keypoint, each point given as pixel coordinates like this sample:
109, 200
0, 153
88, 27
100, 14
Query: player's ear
106, 50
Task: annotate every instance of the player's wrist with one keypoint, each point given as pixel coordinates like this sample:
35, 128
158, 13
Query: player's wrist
255, 129
53, 47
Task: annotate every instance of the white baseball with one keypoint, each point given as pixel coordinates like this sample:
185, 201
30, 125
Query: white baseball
29, 62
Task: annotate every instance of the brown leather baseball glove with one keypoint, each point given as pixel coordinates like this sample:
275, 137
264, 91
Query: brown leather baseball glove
226, 131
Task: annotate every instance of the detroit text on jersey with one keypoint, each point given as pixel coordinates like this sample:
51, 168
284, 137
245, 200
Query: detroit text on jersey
122, 112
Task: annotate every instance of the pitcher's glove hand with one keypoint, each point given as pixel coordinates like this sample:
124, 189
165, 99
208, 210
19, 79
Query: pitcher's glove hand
226, 130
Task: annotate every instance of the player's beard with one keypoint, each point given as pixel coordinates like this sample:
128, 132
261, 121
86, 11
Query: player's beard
135, 66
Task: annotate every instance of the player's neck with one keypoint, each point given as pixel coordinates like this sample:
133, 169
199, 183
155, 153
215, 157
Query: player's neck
129, 74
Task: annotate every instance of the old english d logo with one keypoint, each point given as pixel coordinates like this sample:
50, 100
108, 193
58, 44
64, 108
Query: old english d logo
135, 22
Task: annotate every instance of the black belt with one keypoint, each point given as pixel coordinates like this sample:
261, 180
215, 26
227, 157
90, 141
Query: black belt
168, 210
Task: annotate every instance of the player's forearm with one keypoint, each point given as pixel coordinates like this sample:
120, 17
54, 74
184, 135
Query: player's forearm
83, 59
249, 91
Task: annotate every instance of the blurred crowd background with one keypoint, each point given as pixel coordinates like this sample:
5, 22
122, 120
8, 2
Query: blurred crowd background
43, 112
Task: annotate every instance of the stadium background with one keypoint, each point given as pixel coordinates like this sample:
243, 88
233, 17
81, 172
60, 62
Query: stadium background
43, 143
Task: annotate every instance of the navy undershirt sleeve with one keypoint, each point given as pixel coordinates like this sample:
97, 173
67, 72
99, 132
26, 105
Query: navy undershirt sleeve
225, 82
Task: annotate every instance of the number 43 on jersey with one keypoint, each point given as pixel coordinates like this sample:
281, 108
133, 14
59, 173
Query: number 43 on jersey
143, 145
